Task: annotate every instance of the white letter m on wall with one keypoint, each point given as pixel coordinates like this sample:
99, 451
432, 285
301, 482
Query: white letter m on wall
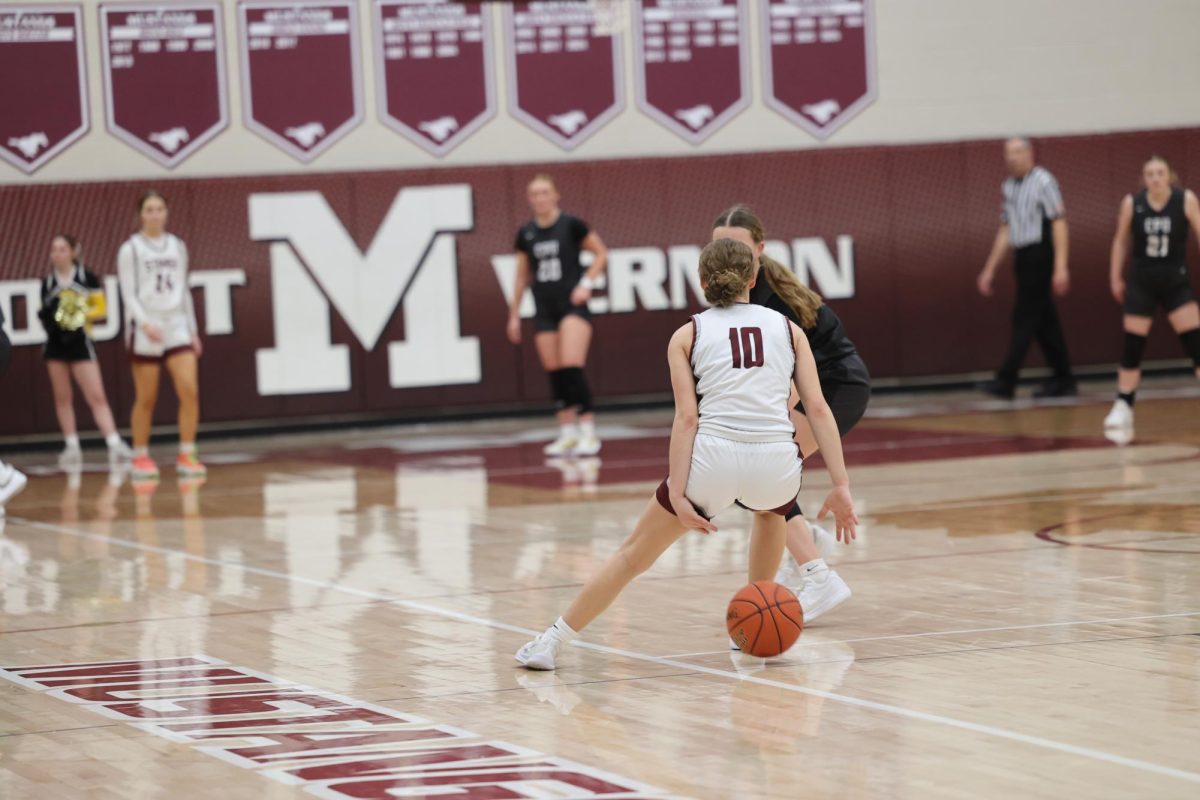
412, 257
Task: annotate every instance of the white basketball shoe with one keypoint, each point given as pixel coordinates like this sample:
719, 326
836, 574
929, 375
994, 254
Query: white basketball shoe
1121, 415
12, 481
821, 592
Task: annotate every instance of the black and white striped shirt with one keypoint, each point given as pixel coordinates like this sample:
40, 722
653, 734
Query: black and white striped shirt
1029, 203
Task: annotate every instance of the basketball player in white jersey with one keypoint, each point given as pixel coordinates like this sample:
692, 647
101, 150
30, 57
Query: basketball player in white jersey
732, 369
160, 328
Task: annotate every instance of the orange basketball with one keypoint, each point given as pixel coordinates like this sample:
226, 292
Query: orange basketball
764, 619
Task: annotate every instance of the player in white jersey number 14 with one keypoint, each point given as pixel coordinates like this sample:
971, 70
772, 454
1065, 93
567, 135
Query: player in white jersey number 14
732, 369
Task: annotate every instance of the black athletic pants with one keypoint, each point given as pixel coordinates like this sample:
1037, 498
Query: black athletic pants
1035, 316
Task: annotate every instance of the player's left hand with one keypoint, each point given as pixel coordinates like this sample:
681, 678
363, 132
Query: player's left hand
1062, 282
580, 295
841, 505
197, 346
687, 514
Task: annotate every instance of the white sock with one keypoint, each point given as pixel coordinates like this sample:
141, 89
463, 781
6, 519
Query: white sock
562, 631
567, 430
187, 448
810, 568
113, 439
72, 441
141, 452
587, 428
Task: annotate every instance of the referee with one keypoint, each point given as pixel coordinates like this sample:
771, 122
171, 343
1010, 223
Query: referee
1033, 223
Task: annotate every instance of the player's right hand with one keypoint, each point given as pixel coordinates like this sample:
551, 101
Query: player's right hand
984, 283
152, 331
514, 330
686, 513
1118, 290
841, 505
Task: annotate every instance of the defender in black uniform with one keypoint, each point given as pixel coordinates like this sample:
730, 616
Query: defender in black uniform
845, 384
548, 251
1157, 220
72, 298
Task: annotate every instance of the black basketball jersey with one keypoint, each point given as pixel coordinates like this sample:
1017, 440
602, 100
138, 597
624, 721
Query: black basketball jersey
553, 254
1159, 237
827, 339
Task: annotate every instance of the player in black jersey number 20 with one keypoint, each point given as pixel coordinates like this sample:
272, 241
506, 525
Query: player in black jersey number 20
548, 250
1157, 220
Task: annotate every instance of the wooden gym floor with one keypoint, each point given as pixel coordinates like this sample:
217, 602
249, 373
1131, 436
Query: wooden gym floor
335, 615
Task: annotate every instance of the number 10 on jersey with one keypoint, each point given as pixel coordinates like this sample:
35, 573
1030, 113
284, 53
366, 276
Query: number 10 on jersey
747, 347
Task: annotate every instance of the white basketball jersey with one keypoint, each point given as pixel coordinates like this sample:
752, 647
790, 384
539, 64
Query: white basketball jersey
160, 270
743, 358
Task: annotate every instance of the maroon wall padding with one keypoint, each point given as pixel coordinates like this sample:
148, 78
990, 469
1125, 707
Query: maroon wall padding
922, 219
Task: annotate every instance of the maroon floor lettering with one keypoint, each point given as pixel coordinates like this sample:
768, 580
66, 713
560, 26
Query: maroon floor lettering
331, 745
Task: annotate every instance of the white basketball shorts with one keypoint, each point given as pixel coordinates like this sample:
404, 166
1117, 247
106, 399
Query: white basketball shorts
176, 337
761, 476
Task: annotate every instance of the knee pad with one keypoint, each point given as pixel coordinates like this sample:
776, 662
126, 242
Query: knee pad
793, 512
579, 394
558, 387
1131, 356
1191, 345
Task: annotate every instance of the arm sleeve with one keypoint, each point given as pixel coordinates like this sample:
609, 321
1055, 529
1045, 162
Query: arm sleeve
188, 306
579, 229
1052, 202
127, 275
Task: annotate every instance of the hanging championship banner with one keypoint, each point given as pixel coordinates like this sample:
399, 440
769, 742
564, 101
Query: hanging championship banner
164, 77
564, 67
44, 101
433, 70
692, 65
300, 81
819, 62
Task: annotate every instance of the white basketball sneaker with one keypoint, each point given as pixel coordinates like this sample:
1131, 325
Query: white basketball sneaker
542, 652
586, 446
70, 457
1121, 415
12, 481
821, 592
564, 445
119, 452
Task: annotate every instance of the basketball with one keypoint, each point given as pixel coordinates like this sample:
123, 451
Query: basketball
764, 619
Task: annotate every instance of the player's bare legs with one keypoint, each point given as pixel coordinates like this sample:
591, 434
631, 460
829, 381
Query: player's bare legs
87, 375
547, 347
1184, 319
145, 386
574, 339
183, 368
656, 530
819, 588
766, 546
64, 409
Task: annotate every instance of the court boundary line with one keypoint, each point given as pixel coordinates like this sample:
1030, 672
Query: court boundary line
870, 705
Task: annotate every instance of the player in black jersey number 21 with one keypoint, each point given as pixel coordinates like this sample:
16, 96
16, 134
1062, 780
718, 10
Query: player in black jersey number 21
548, 249
1157, 219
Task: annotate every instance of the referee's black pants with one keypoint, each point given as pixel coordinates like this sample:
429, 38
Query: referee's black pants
1035, 316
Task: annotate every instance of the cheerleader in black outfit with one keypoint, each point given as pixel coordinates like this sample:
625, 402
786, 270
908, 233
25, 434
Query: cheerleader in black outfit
72, 298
